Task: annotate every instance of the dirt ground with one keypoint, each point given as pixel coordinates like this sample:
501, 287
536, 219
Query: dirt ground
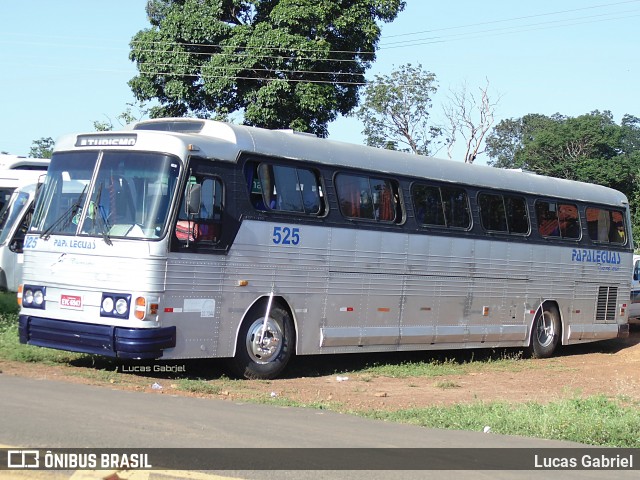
610, 368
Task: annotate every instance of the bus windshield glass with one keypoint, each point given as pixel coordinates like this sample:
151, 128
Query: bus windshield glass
10, 213
107, 194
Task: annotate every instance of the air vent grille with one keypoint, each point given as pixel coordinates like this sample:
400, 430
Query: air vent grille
606, 306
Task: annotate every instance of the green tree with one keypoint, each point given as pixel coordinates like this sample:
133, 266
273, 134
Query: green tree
590, 148
506, 141
576, 148
396, 108
42, 148
281, 64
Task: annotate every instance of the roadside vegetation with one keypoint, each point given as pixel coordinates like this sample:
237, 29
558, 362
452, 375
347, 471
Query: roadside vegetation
594, 420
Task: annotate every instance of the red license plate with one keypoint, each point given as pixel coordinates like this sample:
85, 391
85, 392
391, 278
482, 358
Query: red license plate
71, 301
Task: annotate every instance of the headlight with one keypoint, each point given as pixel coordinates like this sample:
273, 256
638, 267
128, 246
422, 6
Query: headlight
27, 297
107, 304
122, 306
115, 305
38, 297
33, 297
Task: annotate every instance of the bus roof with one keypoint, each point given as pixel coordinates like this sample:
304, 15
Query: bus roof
15, 162
225, 141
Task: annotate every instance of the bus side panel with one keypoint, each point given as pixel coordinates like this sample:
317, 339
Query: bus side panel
193, 303
257, 263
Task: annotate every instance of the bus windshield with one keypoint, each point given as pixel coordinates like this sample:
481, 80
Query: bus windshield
10, 213
107, 194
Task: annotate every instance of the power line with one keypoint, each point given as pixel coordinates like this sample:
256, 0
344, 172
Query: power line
513, 18
407, 43
385, 46
252, 69
399, 44
262, 79
404, 44
503, 31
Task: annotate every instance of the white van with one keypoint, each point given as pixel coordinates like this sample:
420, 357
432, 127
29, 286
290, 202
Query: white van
634, 306
14, 223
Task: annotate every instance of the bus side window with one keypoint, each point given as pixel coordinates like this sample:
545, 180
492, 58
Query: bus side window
284, 188
606, 225
456, 207
517, 216
427, 203
206, 225
617, 233
569, 221
368, 198
503, 213
443, 206
547, 217
492, 212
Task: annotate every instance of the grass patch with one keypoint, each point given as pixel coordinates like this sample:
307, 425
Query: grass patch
198, 386
279, 401
594, 420
446, 384
8, 303
99, 374
459, 365
408, 369
12, 349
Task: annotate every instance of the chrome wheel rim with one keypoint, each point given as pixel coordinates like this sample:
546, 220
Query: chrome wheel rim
264, 348
546, 330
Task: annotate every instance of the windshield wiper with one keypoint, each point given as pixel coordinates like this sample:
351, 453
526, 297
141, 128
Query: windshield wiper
100, 219
67, 216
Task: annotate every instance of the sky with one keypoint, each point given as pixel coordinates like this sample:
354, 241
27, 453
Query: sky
64, 65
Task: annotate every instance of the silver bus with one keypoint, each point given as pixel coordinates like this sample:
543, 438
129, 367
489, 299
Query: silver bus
187, 238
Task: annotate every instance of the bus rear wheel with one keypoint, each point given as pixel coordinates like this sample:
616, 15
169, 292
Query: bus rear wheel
264, 348
545, 335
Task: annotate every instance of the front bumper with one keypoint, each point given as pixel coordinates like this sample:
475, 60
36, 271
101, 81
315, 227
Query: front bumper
107, 340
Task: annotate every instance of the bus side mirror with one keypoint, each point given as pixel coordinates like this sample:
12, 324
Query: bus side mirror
194, 198
17, 245
636, 272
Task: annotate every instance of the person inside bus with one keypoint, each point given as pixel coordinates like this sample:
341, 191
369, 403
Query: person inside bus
568, 221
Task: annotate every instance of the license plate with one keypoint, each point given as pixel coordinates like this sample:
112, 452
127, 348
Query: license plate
71, 301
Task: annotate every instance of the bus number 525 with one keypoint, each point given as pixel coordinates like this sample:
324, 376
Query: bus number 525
286, 236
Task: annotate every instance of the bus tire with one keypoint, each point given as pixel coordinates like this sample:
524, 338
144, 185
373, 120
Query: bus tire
545, 334
266, 361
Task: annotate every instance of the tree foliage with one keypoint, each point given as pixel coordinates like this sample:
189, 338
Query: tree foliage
126, 117
42, 148
280, 63
396, 108
590, 148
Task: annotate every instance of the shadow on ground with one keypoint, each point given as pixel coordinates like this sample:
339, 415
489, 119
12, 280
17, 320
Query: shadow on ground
323, 365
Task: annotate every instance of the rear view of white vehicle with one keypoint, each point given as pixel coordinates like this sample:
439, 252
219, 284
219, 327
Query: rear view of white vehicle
634, 308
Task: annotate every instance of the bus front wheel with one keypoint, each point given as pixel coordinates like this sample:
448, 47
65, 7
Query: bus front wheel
264, 348
546, 332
